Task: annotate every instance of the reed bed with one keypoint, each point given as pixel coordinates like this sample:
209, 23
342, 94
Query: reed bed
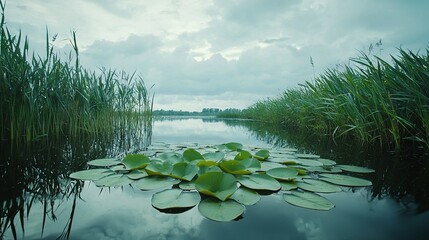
47, 96
370, 100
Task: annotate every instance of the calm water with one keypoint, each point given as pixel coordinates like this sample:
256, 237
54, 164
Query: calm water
37, 194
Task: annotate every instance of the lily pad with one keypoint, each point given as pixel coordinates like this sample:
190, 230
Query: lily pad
314, 185
306, 155
233, 167
159, 168
308, 200
137, 174
324, 169
283, 173
206, 169
345, 180
175, 198
135, 161
105, 162
262, 154
184, 171
214, 156
234, 146
187, 185
171, 157
265, 166
308, 162
191, 154
356, 169
246, 196
251, 164
115, 180
217, 184
327, 162
155, 182
222, 211
259, 182
288, 185
91, 174
243, 154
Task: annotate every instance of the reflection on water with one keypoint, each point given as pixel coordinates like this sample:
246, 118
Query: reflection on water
37, 195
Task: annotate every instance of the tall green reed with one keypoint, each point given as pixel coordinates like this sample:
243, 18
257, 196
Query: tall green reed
371, 100
47, 96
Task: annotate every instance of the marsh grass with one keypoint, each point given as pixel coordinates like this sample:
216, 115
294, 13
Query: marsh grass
370, 100
46, 96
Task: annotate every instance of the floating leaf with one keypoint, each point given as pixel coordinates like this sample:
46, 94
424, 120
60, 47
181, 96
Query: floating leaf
262, 154
175, 198
105, 162
259, 182
206, 169
309, 162
345, 180
356, 169
159, 168
265, 166
119, 168
233, 167
184, 171
137, 174
286, 174
135, 161
156, 182
115, 180
206, 163
246, 196
222, 211
91, 174
187, 185
191, 154
308, 200
251, 164
288, 185
234, 146
217, 184
313, 185
214, 156
305, 155
324, 169
243, 154
171, 157
326, 162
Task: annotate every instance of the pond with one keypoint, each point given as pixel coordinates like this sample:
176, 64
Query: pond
40, 202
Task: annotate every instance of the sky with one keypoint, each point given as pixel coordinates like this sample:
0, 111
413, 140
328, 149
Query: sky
221, 53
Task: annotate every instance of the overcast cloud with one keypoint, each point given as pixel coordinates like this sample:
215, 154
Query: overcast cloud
221, 53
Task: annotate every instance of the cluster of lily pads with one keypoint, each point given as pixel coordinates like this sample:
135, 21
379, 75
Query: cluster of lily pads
222, 179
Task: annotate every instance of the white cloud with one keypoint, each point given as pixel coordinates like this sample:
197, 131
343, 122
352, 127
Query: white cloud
199, 52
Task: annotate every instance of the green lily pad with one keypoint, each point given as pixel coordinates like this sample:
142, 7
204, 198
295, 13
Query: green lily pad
217, 184
187, 185
222, 211
288, 185
137, 174
345, 180
309, 162
233, 167
324, 169
91, 174
283, 173
206, 169
356, 169
114, 180
155, 182
191, 154
306, 155
105, 162
119, 168
262, 154
243, 154
234, 146
259, 182
251, 164
135, 161
175, 198
159, 168
308, 200
327, 162
246, 196
184, 171
265, 166
171, 157
214, 156
313, 185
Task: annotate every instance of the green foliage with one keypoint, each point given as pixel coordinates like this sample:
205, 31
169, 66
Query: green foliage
371, 100
48, 96
227, 175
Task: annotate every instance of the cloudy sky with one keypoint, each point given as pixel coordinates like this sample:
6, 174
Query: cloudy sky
221, 53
